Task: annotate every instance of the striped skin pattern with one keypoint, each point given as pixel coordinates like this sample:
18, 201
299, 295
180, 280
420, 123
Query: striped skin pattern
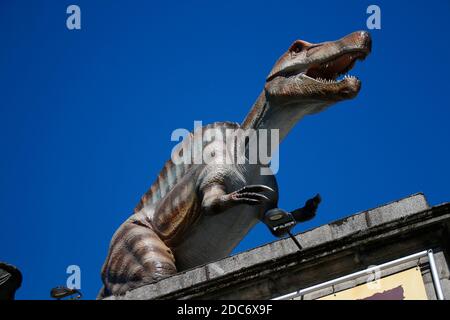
195, 213
172, 173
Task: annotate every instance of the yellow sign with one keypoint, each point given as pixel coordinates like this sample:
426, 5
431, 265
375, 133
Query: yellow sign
406, 285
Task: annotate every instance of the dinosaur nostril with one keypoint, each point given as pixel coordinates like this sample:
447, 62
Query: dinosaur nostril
297, 47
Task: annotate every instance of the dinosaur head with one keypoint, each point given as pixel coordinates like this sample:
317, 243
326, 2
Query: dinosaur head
307, 74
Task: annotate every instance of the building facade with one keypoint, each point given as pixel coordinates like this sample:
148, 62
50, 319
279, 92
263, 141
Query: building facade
396, 251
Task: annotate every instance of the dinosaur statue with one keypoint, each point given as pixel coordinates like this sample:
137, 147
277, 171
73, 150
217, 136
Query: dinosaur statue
197, 213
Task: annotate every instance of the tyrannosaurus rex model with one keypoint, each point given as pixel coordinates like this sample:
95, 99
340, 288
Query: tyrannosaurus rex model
198, 212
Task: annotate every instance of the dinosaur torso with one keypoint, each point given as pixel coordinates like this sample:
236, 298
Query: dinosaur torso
197, 238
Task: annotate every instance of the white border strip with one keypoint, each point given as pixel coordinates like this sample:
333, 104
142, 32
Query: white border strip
354, 275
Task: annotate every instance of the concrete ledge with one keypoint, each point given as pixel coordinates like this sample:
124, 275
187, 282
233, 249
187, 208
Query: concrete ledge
261, 260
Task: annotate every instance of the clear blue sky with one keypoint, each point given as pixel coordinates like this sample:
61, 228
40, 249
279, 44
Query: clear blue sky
86, 116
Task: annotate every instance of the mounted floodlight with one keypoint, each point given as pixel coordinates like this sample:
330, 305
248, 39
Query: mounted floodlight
10, 281
63, 292
281, 222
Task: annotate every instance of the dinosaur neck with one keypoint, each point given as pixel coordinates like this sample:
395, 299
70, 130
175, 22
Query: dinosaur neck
253, 118
264, 115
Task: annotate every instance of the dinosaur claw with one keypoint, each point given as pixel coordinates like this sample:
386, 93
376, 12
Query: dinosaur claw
250, 194
253, 195
256, 188
249, 201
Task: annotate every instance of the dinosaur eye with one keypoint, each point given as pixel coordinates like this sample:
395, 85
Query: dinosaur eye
297, 47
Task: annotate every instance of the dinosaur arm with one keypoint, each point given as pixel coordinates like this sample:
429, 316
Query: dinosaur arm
214, 199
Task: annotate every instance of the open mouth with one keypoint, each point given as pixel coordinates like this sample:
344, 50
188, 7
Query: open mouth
329, 71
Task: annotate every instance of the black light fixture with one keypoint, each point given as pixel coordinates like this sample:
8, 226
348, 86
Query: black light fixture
64, 292
280, 222
10, 281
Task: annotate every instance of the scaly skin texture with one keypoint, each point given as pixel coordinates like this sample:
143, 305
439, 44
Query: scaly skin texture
197, 213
